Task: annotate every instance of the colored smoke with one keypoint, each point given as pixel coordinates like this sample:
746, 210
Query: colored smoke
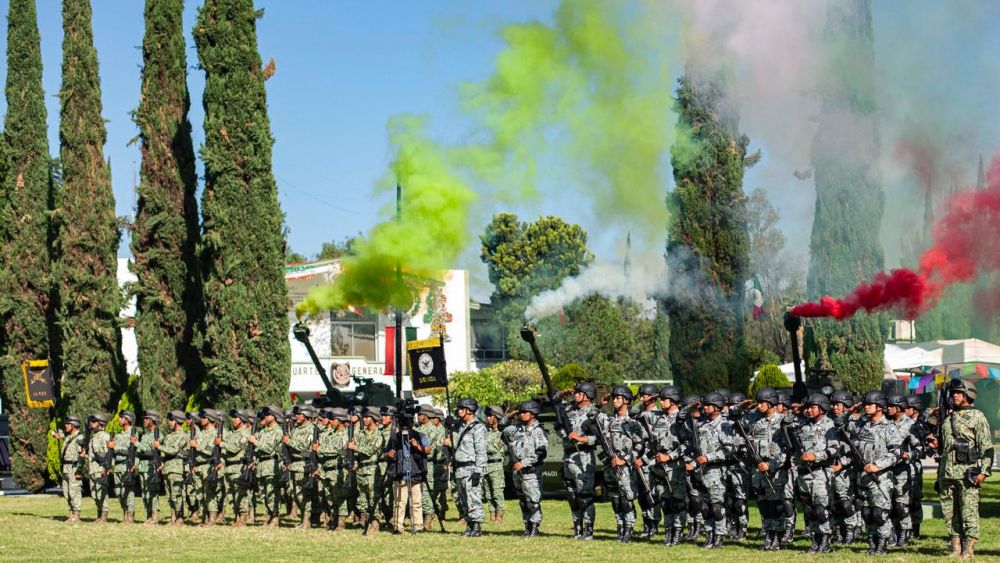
965, 245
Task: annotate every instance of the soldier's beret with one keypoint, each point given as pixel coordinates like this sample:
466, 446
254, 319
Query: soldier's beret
151, 415
100, 417
495, 411
71, 420
370, 411
127, 415
177, 416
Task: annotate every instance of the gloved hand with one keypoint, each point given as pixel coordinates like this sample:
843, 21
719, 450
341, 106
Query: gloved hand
475, 479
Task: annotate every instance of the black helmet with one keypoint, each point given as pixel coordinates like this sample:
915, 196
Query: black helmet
959, 385
151, 415
841, 397
468, 403
622, 391
128, 415
767, 395
176, 416
735, 398
530, 406
784, 399
715, 399
691, 400
69, 419
671, 392
101, 418
875, 398
648, 389
725, 393
896, 400
587, 388
818, 399
914, 402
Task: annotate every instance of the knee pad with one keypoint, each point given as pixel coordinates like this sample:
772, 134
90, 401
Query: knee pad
880, 516
531, 507
788, 508
767, 508
706, 511
693, 504
820, 515
846, 508
900, 509
807, 512
616, 504
678, 505
584, 501
667, 506
739, 506
524, 506
718, 512
573, 500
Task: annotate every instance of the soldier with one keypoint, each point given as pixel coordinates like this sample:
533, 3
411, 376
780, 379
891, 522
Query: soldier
334, 471
72, 468
299, 442
784, 408
150, 476
965, 446
715, 444
383, 485
690, 414
815, 449
622, 444
173, 449
125, 470
737, 472
368, 445
493, 478
666, 464
204, 471
579, 462
267, 442
528, 447
878, 445
900, 472
768, 477
435, 436
100, 459
470, 463
233, 446
845, 519
442, 463
193, 480
646, 412
919, 431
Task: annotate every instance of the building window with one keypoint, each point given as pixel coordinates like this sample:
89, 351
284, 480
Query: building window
353, 334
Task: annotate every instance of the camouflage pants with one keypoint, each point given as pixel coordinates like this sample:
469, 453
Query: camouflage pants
738, 483
901, 497
772, 502
335, 493
877, 490
437, 484
622, 490
195, 493
124, 493
813, 490
844, 495
211, 491
383, 492
529, 488
578, 476
238, 492
471, 498
426, 488
306, 494
150, 497
367, 501
99, 490
960, 505
493, 483
917, 498
173, 484
651, 512
269, 493
72, 486
714, 497
670, 492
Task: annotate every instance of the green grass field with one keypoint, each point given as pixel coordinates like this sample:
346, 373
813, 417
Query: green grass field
34, 528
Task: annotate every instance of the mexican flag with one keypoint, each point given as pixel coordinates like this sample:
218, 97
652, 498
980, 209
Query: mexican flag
755, 295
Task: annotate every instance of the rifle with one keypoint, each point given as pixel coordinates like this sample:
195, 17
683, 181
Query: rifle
216, 459
286, 454
860, 459
349, 461
156, 460
754, 453
609, 451
376, 504
107, 464
190, 461
128, 480
643, 480
795, 444
944, 409
562, 424
698, 475
247, 474
311, 466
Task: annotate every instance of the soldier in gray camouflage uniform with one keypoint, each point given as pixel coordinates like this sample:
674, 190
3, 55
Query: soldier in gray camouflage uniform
716, 443
528, 447
919, 430
815, 451
737, 470
768, 478
624, 444
72, 467
666, 462
646, 413
470, 463
878, 444
845, 518
579, 462
901, 479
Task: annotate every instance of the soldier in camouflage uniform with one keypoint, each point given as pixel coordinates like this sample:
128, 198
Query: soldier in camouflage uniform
194, 487
919, 431
528, 447
383, 486
97, 461
579, 462
267, 444
690, 414
645, 413
815, 449
233, 446
665, 460
173, 449
715, 445
737, 471
965, 448
125, 486
72, 468
878, 443
204, 444
768, 478
470, 463
435, 436
624, 445
493, 479
902, 481
845, 519
299, 442
148, 474
368, 446
334, 471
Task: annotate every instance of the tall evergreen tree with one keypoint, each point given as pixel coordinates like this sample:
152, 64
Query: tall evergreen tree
246, 337
845, 247
169, 307
93, 371
25, 277
984, 319
708, 244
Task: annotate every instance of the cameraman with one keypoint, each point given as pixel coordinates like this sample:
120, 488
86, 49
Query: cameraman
408, 471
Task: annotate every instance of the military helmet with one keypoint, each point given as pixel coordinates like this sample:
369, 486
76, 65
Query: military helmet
100, 417
587, 388
671, 392
896, 400
648, 389
495, 411
468, 403
875, 398
151, 415
914, 402
841, 397
387, 410
530, 406
274, 411
176, 416
622, 391
426, 410
370, 412
69, 419
715, 399
767, 395
127, 415
818, 399
784, 399
339, 413
724, 392
691, 400
735, 398
967, 388
438, 414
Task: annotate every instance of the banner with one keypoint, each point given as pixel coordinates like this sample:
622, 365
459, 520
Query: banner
427, 365
390, 350
38, 385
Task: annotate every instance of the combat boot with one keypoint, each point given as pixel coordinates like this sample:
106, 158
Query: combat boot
626, 534
128, 518
527, 529
209, 520
153, 519
877, 545
694, 530
969, 550
577, 530
956, 546
373, 527
476, 530
272, 521
675, 538
709, 539
588, 532
499, 516
823, 546
304, 524
789, 534
647, 529
238, 520
103, 518
849, 536
768, 539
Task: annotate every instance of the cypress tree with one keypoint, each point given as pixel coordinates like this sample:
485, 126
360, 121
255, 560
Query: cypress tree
708, 243
845, 247
93, 371
248, 359
169, 308
25, 277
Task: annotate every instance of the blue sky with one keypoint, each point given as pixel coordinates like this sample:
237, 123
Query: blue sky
344, 67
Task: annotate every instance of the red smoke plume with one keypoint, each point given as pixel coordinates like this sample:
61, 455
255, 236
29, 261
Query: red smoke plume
966, 243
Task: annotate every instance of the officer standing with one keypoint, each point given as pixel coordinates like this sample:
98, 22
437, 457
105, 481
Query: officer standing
442, 463
233, 446
737, 473
878, 444
267, 442
193, 477
368, 445
299, 442
666, 463
715, 441
204, 444
919, 431
965, 447
845, 519
902, 482
435, 436
334, 471
646, 413
173, 448
528, 448
579, 464
72, 469
493, 478
623, 445
150, 476
383, 485
768, 478
98, 465
470, 463
816, 450
124, 485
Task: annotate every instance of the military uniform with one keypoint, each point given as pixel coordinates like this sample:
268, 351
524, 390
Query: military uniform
651, 513
762, 431
668, 479
959, 501
579, 467
737, 477
470, 463
233, 446
210, 488
919, 431
846, 518
493, 478
72, 470
435, 436
625, 436
194, 489
529, 446
268, 465
813, 478
383, 487
125, 486
97, 474
149, 476
902, 481
715, 440
299, 442
334, 473
370, 445
173, 449
878, 443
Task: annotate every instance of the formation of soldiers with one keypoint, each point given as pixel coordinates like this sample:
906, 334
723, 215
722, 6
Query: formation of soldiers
852, 466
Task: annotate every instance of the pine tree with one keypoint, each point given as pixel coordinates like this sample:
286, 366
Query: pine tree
983, 320
169, 307
248, 358
708, 244
25, 278
845, 247
93, 371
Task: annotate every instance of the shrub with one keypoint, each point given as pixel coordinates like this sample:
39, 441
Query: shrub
768, 376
